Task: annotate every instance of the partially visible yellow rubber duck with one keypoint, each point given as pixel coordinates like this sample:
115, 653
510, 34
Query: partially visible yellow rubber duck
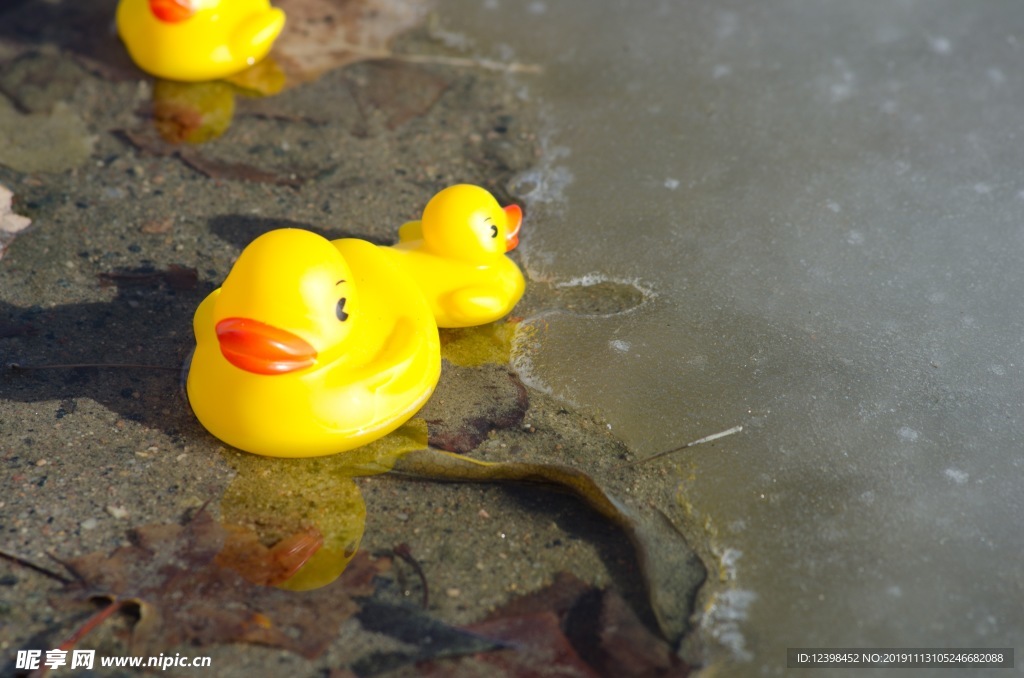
456, 255
196, 40
311, 347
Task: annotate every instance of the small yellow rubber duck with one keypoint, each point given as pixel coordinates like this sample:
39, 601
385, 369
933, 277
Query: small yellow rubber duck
194, 40
456, 255
311, 347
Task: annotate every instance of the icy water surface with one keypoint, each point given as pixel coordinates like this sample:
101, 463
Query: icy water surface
820, 209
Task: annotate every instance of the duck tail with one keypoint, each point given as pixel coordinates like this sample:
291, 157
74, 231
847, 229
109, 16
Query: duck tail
410, 231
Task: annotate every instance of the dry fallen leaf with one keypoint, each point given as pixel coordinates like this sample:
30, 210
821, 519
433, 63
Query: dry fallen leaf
322, 35
10, 223
166, 565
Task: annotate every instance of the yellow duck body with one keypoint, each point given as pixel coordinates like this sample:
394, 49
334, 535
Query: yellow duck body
456, 256
193, 40
311, 347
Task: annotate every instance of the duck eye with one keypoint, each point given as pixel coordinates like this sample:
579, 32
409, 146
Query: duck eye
494, 231
339, 310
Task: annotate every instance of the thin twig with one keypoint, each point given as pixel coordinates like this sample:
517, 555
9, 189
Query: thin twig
460, 62
91, 623
67, 566
82, 631
700, 441
24, 562
405, 553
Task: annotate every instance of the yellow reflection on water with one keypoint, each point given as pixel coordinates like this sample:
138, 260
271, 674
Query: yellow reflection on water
305, 516
475, 346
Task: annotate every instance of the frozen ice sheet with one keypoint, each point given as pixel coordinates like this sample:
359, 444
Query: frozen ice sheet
824, 205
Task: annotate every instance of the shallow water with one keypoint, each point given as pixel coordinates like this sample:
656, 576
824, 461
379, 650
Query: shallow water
820, 204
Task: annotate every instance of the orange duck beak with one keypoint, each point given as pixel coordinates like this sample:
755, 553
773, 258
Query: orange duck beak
259, 348
172, 11
515, 220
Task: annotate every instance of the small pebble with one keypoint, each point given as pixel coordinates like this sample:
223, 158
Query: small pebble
89, 524
453, 593
158, 225
118, 512
483, 513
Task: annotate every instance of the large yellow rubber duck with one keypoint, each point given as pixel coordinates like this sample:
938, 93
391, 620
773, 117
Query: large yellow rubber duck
196, 40
311, 347
456, 255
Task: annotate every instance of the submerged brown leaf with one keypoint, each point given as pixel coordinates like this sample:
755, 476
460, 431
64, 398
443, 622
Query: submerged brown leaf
244, 553
671, 569
322, 35
469, 403
235, 171
214, 169
313, 515
171, 573
568, 628
541, 648
400, 92
175, 276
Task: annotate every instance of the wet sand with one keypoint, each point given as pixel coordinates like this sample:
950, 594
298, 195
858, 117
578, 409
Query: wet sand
91, 452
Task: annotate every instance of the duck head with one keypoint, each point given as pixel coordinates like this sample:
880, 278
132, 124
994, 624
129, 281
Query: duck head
466, 222
288, 304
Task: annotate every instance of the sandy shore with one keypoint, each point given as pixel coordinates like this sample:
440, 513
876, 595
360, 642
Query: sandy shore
126, 242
